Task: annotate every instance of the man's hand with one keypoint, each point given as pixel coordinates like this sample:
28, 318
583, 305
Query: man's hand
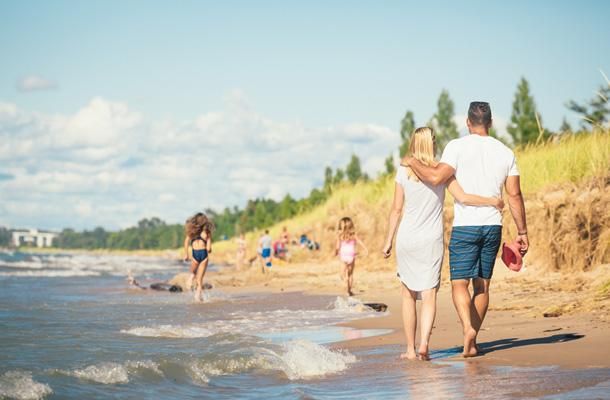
524, 243
499, 204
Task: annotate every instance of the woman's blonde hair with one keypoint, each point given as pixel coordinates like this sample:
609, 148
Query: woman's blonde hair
197, 224
422, 148
346, 229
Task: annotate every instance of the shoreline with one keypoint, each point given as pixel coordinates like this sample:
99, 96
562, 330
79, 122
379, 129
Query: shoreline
512, 335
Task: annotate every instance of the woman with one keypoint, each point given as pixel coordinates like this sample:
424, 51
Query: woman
198, 234
419, 243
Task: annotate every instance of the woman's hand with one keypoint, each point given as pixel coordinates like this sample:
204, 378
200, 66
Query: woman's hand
499, 203
185, 259
387, 250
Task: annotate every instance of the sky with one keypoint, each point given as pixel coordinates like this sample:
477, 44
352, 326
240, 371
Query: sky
113, 111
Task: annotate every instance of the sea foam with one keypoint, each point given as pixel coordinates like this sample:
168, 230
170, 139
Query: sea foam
169, 331
107, 373
20, 385
303, 360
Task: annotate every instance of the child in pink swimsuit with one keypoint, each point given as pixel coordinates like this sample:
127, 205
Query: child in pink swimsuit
346, 250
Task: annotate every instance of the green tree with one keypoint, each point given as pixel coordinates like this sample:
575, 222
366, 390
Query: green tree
328, 178
353, 170
339, 176
523, 127
5, 237
407, 126
389, 165
595, 111
287, 207
565, 126
442, 122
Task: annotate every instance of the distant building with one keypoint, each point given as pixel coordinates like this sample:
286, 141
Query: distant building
33, 237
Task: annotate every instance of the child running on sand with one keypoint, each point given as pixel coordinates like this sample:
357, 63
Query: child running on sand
198, 231
346, 250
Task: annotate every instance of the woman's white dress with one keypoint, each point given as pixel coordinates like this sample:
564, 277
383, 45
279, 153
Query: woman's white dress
419, 241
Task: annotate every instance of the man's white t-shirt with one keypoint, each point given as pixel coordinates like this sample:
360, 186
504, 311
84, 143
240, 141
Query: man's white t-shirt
481, 165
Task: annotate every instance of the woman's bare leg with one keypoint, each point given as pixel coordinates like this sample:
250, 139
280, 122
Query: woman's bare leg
200, 273
428, 313
193, 269
409, 320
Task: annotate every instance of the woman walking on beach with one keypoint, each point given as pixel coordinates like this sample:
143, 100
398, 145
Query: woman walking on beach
198, 231
347, 242
419, 243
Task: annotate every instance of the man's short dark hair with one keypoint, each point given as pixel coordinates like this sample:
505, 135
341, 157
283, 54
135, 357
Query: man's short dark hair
479, 113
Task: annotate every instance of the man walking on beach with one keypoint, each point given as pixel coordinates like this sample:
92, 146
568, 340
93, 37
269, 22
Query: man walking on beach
482, 165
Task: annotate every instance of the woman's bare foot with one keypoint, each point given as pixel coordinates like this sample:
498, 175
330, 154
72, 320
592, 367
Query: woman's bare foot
198, 295
422, 353
470, 347
409, 355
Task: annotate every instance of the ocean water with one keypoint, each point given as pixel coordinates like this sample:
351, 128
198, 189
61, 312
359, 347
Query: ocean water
71, 328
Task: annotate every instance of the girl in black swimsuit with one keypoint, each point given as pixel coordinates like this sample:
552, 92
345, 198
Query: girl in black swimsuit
198, 231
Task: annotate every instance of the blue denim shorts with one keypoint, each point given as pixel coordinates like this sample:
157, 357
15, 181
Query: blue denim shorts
473, 251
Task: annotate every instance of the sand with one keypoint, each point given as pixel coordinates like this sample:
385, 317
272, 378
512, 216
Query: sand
515, 331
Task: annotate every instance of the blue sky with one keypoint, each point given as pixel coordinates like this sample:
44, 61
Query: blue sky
121, 110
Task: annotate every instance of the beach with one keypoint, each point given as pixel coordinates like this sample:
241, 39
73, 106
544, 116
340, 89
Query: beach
74, 328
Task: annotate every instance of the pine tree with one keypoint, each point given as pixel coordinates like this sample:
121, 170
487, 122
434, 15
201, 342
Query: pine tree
328, 178
353, 170
407, 126
597, 110
565, 127
523, 127
442, 122
339, 176
389, 165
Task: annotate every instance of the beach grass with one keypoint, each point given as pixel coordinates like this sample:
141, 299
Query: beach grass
569, 159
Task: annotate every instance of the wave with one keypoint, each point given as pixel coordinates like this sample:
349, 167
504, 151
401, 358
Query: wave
61, 273
297, 359
169, 331
110, 373
68, 265
247, 322
20, 385
303, 360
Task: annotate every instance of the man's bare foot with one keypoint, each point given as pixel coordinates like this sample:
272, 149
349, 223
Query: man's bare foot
470, 347
350, 293
422, 353
409, 355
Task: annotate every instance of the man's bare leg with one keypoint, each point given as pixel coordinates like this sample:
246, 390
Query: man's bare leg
480, 302
464, 308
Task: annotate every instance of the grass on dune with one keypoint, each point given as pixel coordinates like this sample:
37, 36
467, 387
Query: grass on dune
569, 159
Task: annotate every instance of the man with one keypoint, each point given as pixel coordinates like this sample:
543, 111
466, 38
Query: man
482, 165
264, 247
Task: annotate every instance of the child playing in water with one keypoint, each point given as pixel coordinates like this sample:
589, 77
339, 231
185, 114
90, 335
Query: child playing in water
346, 250
198, 231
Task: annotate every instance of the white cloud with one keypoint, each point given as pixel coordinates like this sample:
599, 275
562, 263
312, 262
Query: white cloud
108, 165
32, 83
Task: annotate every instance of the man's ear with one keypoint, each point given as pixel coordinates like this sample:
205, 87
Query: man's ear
491, 123
468, 124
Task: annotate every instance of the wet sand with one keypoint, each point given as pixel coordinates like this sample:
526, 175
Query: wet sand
514, 333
